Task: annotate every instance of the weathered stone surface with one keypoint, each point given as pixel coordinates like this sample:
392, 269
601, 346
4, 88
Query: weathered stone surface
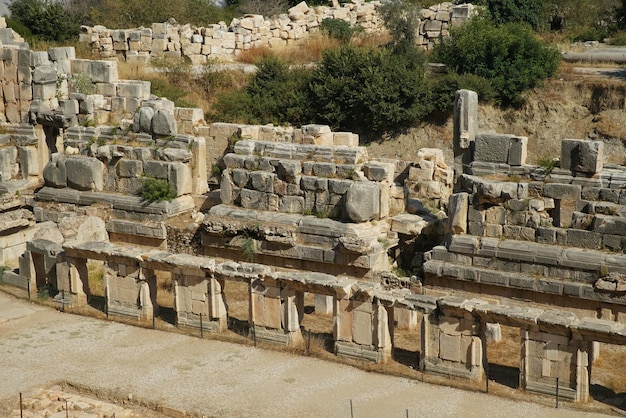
55, 173
459, 205
164, 123
465, 118
363, 201
408, 224
492, 148
85, 173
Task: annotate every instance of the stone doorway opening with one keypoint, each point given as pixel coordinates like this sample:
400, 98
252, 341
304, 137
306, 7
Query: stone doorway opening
606, 380
406, 334
502, 354
237, 296
317, 322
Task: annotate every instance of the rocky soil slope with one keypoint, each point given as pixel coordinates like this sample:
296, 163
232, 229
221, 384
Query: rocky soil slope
576, 104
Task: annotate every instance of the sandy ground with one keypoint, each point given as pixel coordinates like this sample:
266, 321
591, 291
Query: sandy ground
41, 346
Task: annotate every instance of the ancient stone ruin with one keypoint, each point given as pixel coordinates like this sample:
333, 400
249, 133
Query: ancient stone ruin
291, 211
221, 41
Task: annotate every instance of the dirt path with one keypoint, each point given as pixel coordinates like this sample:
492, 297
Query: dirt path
40, 346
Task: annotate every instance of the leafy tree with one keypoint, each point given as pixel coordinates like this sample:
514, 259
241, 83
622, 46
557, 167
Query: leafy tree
369, 91
46, 19
278, 94
509, 56
401, 18
519, 11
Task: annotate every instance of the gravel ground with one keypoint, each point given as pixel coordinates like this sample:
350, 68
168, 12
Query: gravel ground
41, 346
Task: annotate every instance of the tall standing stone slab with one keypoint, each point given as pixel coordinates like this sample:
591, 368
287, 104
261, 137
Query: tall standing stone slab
465, 127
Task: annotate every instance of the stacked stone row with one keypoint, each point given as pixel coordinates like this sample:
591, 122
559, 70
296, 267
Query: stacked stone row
219, 41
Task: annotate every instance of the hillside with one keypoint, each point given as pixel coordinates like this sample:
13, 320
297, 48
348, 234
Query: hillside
578, 103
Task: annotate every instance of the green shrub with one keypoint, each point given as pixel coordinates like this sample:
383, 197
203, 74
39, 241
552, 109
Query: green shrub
509, 56
157, 190
338, 29
445, 87
401, 18
369, 91
275, 94
515, 11
547, 163
119, 14
46, 19
47, 291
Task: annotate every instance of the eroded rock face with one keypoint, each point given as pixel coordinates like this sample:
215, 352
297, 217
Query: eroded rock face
363, 201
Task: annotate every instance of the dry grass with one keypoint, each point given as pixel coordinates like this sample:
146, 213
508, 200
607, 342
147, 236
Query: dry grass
165, 289
95, 270
309, 50
608, 370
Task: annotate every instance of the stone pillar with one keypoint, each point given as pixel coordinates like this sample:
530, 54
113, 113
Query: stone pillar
361, 330
130, 291
197, 295
217, 304
290, 314
199, 179
78, 275
324, 304
406, 319
457, 212
465, 128
452, 344
274, 315
27, 269
548, 356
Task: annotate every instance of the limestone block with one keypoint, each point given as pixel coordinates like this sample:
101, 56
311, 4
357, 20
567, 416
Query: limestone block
291, 204
450, 347
134, 89
62, 53
493, 332
157, 169
518, 151
54, 173
379, 171
8, 163
590, 157
562, 191
68, 107
345, 139
84, 173
164, 123
492, 148
252, 199
362, 324
180, 178
363, 201
324, 305
465, 118
92, 228
45, 74
29, 161
262, 181
458, 209
408, 224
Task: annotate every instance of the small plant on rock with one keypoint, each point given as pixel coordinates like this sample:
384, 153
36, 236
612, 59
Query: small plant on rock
248, 247
157, 190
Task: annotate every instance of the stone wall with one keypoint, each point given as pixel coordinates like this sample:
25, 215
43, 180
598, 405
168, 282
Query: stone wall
219, 41
553, 343
553, 235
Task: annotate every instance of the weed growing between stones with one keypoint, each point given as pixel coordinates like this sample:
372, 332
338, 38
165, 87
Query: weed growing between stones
547, 163
157, 190
248, 247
